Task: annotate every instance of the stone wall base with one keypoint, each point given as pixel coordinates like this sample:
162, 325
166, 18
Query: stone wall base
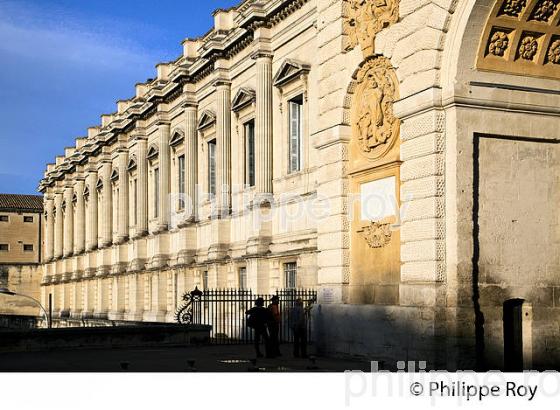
443, 338
389, 334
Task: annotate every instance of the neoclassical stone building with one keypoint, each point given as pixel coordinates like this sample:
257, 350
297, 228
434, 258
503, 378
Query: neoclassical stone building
399, 156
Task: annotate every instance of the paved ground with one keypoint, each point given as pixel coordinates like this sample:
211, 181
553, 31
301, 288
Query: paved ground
233, 358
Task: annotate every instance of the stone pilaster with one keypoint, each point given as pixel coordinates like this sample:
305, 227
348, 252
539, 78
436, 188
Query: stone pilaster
118, 296
142, 187
73, 299
58, 226
91, 223
171, 295
89, 298
102, 298
263, 123
80, 218
164, 175
422, 194
68, 222
156, 305
331, 140
85, 297
191, 158
49, 228
123, 221
78, 298
135, 297
223, 139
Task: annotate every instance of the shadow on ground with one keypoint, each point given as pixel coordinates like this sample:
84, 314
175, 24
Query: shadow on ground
215, 358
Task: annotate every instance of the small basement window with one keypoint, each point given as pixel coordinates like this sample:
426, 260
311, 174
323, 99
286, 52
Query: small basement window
28, 248
28, 219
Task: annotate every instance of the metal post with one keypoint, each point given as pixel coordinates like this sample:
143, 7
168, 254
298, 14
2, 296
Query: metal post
50, 311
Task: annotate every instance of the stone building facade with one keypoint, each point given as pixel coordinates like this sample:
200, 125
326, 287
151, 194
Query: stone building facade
399, 156
21, 244
20, 229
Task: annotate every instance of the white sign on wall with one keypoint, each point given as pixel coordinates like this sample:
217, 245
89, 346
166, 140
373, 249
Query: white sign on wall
378, 199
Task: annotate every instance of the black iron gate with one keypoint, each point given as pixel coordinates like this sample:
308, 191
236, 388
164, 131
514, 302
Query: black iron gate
225, 310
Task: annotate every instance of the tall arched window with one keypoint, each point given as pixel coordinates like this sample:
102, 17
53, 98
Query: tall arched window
178, 164
133, 191
153, 185
115, 197
99, 189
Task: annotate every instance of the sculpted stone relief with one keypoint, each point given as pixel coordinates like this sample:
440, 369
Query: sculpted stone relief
498, 43
554, 52
522, 37
365, 18
528, 48
544, 10
374, 89
374, 125
513, 7
377, 235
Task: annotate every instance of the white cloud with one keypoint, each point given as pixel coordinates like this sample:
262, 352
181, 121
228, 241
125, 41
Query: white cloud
25, 34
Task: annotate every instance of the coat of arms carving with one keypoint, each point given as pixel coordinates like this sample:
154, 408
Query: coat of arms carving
377, 235
374, 125
365, 18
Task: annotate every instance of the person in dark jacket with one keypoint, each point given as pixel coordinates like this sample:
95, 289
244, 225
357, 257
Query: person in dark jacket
274, 326
299, 315
258, 318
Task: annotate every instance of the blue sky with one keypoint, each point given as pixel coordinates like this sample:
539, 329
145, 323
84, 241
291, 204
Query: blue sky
66, 62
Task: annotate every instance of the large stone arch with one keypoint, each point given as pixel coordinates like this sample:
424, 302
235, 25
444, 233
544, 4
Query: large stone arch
501, 142
444, 102
447, 100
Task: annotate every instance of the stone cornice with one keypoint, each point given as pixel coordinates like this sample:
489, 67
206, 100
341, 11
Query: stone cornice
216, 44
262, 54
221, 82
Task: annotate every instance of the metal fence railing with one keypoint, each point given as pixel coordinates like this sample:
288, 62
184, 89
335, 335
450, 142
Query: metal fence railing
225, 310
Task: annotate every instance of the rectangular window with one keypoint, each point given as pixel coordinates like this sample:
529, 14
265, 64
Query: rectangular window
4, 247
290, 275
135, 201
116, 210
4, 218
250, 153
28, 248
243, 278
295, 134
212, 167
28, 219
181, 181
156, 192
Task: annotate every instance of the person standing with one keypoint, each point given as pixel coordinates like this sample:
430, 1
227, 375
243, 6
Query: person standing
258, 318
299, 327
274, 326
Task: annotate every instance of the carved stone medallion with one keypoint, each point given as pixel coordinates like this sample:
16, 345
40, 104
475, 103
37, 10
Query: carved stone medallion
365, 18
498, 43
513, 7
554, 53
374, 126
377, 235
